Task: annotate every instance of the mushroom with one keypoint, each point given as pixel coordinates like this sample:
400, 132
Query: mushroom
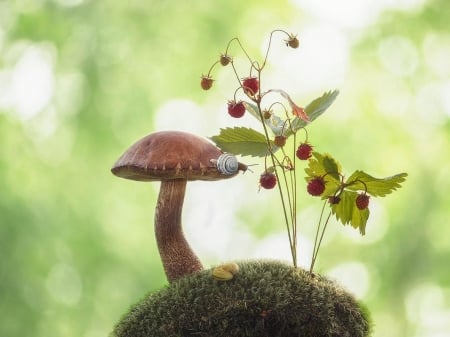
174, 157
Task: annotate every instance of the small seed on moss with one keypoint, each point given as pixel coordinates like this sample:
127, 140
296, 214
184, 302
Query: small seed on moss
225, 272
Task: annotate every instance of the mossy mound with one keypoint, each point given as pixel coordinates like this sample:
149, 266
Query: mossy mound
264, 299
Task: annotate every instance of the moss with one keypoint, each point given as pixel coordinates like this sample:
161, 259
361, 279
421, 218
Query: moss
265, 299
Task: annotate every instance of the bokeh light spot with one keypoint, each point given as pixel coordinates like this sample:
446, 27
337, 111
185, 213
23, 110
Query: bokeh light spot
436, 52
31, 82
64, 284
398, 55
426, 307
352, 275
180, 114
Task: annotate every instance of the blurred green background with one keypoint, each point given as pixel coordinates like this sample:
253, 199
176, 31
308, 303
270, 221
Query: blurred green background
80, 80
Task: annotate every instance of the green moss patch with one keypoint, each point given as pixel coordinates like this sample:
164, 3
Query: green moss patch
265, 299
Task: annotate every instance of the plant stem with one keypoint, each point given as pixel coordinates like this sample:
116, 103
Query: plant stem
294, 188
280, 189
317, 244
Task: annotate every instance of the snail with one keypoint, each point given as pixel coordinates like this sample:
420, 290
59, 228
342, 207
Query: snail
227, 164
225, 272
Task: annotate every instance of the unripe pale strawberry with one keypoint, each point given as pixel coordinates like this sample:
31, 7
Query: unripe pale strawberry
225, 59
206, 82
267, 114
280, 141
292, 41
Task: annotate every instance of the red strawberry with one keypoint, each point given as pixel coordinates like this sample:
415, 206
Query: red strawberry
206, 82
250, 85
362, 201
316, 186
236, 109
267, 180
304, 151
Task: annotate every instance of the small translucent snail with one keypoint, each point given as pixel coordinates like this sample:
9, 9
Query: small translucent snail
226, 164
225, 272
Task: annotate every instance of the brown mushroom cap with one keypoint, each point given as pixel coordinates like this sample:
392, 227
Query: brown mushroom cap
166, 155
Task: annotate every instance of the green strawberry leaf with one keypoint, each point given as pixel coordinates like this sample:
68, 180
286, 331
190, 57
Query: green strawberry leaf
377, 187
314, 109
347, 212
319, 105
323, 165
242, 141
331, 166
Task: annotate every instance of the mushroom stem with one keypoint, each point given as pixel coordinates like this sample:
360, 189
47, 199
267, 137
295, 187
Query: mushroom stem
177, 256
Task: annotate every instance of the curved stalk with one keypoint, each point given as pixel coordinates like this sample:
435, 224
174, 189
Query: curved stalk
318, 243
282, 197
177, 256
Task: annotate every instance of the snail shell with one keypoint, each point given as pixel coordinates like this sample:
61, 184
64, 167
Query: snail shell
227, 164
225, 272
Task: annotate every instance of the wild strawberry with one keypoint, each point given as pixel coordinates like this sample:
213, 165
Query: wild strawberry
304, 151
206, 82
236, 109
292, 41
316, 186
267, 114
250, 85
280, 141
268, 180
225, 59
334, 200
362, 201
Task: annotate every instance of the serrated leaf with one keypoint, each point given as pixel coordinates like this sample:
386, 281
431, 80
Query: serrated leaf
319, 105
242, 141
359, 219
377, 187
314, 109
323, 165
331, 166
344, 209
347, 212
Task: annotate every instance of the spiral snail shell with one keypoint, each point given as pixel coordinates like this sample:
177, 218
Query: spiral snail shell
227, 164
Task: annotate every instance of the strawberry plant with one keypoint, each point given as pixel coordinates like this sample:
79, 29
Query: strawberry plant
345, 197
